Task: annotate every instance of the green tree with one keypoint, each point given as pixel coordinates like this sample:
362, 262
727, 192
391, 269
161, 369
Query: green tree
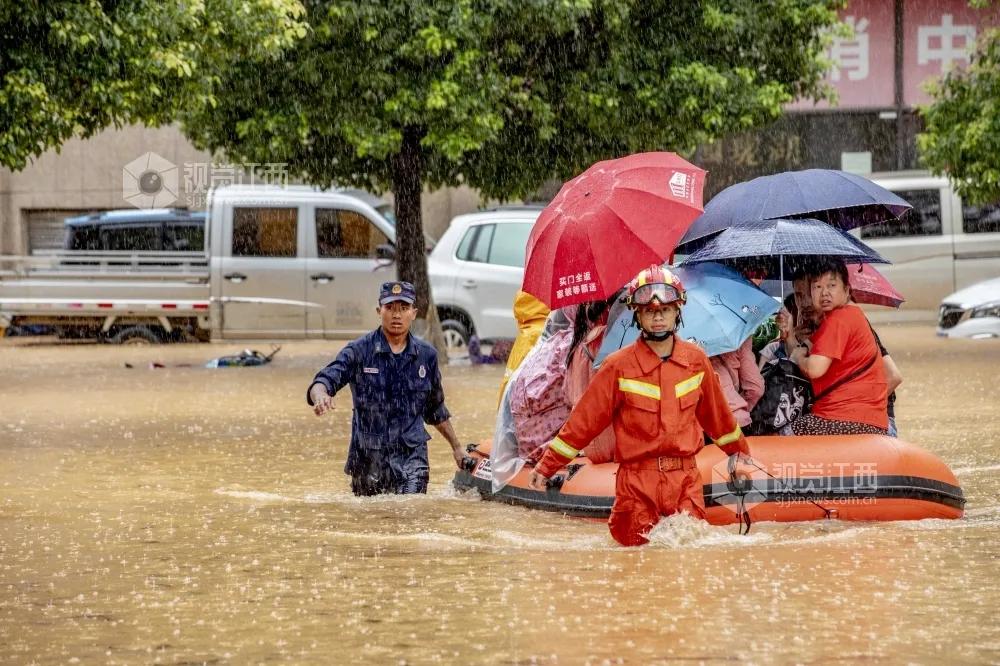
962, 124
73, 67
504, 94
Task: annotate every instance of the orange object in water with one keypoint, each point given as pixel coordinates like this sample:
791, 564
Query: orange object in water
848, 477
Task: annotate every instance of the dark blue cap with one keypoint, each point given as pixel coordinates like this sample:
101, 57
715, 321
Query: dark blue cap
397, 291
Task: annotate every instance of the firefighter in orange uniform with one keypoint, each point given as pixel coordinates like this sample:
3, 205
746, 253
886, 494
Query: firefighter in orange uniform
659, 393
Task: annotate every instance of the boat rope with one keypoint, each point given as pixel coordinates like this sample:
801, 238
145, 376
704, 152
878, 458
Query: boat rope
829, 514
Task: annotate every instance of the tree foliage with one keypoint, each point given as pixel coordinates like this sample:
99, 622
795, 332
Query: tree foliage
73, 67
962, 124
504, 94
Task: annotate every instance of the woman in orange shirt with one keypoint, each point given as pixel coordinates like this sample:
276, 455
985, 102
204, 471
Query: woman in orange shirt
843, 363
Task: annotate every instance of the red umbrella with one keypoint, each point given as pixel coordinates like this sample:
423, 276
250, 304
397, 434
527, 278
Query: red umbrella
608, 223
870, 286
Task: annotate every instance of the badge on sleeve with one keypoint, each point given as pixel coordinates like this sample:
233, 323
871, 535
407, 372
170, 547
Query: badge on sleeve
422, 372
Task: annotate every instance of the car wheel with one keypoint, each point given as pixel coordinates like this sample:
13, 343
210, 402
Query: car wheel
456, 335
136, 335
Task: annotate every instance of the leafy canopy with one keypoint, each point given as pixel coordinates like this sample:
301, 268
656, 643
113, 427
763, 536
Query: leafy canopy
73, 67
962, 133
504, 94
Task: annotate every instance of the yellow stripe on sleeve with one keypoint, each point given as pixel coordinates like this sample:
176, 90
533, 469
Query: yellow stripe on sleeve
563, 449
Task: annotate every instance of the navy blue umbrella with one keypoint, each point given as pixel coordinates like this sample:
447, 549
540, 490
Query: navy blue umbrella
773, 246
841, 199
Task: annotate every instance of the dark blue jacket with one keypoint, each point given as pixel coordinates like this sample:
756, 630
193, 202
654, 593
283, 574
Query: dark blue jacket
393, 398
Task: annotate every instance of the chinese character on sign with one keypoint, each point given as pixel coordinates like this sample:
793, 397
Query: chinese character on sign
562, 281
851, 53
950, 42
559, 293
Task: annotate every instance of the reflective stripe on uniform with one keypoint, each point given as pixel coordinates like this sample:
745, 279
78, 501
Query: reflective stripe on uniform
688, 385
639, 388
729, 438
563, 449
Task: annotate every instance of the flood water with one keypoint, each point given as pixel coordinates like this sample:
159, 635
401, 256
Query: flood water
188, 515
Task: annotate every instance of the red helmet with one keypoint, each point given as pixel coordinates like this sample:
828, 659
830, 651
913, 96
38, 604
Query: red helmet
655, 282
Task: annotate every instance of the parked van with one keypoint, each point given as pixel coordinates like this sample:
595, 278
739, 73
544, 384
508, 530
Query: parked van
939, 247
152, 230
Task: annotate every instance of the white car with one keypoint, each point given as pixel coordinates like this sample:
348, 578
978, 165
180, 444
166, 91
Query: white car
973, 312
475, 271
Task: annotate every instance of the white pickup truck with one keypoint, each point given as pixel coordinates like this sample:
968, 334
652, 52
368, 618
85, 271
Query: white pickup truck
290, 262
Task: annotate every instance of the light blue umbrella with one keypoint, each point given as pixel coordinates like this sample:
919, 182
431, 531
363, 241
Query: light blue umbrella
723, 309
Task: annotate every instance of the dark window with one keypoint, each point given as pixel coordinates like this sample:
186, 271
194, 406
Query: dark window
346, 234
923, 220
465, 247
509, 243
480, 252
133, 238
185, 237
265, 232
82, 237
982, 219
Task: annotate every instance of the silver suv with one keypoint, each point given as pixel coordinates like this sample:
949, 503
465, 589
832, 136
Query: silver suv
476, 269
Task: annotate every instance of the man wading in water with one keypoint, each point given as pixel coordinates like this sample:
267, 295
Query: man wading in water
396, 387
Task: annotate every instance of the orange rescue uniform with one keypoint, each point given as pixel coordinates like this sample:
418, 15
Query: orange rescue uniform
659, 410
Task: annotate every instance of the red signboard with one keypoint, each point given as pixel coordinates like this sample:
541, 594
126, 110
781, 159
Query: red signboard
937, 35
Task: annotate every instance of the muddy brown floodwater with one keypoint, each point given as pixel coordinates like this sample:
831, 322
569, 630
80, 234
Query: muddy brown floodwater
188, 515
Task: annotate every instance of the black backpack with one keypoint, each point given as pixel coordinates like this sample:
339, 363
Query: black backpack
787, 396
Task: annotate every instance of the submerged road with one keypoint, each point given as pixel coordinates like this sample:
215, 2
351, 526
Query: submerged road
188, 515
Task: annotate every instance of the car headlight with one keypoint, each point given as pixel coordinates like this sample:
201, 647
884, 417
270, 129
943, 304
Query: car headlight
988, 310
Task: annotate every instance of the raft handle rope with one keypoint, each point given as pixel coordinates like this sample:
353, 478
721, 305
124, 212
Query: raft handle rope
829, 514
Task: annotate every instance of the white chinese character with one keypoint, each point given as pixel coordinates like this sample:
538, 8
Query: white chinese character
851, 53
562, 281
579, 277
576, 289
785, 471
249, 171
586, 275
947, 49
569, 279
865, 477
811, 469
196, 177
223, 174
559, 293
275, 173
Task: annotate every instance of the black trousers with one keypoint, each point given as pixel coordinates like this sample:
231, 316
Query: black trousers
396, 470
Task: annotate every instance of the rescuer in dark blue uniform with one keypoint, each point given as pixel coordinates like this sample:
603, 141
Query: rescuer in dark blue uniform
396, 387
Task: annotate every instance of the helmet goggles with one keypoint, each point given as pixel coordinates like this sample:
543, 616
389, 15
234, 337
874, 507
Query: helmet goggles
664, 293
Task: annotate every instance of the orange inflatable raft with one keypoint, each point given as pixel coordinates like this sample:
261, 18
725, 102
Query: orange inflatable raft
848, 477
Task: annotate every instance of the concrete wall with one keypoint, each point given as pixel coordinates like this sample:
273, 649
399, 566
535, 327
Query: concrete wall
87, 174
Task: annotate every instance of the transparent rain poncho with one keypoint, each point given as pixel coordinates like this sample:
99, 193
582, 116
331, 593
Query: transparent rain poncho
504, 458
